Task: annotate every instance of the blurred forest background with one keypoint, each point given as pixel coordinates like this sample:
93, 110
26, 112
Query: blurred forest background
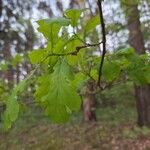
116, 107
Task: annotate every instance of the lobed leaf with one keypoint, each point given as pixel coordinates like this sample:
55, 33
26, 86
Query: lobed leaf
74, 15
12, 106
60, 97
50, 28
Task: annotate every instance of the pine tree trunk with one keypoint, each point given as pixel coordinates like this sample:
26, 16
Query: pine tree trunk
9, 75
142, 93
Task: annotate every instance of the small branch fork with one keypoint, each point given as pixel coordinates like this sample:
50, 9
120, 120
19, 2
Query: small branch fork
99, 3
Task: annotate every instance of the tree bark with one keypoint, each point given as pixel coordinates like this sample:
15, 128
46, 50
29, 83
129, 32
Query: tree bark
142, 93
9, 75
89, 102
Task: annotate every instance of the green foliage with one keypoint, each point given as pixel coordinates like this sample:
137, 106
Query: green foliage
111, 71
114, 27
117, 104
37, 56
16, 60
3, 66
3, 93
59, 97
91, 24
136, 132
137, 71
50, 28
62, 72
12, 105
130, 3
11, 113
74, 15
136, 66
126, 52
79, 80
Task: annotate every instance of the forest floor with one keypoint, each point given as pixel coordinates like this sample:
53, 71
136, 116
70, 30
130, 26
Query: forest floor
115, 130
78, 136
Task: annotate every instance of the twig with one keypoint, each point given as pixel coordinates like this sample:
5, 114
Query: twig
99, 3
75, 52
87, 44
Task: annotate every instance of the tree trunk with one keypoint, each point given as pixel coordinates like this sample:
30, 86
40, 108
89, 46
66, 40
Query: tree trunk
142, 93
9, 75
89, 102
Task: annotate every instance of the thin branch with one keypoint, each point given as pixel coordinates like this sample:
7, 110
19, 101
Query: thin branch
99, 3
86, 44
75, 52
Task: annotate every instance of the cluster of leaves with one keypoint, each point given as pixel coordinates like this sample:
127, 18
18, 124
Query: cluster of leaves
63, 67
14, 61
12, 105
56, 85
134, 67
9, 98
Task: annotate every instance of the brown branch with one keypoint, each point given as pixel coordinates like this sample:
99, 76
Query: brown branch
75, 52
99, 3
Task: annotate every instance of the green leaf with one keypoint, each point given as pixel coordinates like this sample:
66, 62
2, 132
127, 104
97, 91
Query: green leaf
21, 86
79, 80
60, 97
126, 52
16, 60
60, 20
50, 28
91, 24
37, 56
12, 106
74, 15
147, 73
4, 66
43, 87
11, 112
137, 70
71, 45
94, 74
59, 46
111, 71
